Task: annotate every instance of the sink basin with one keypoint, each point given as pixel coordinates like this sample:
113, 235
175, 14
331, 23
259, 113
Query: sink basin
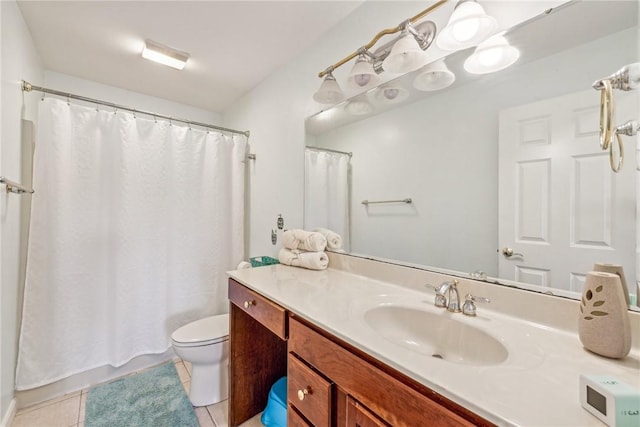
436, 335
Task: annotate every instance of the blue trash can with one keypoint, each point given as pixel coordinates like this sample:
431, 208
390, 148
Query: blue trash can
275, 414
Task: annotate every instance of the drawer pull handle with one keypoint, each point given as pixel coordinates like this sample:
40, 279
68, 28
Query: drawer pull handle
248, 304
303, 393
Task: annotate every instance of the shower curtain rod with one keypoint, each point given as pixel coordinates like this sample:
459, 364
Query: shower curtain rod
330, 150
28, 87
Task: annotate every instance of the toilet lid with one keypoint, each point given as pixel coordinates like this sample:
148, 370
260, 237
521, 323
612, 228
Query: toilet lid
204, 331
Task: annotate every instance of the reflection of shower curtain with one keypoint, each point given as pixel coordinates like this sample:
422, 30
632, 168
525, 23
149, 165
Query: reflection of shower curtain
326, 192
134, 224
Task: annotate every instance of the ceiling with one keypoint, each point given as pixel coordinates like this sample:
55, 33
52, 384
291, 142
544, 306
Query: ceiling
234, 45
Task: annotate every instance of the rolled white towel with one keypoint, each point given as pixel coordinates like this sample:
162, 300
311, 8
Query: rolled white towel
334, 241
304, 240
243, 264
298, 258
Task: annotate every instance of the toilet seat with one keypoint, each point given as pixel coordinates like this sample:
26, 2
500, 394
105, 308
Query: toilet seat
207, 331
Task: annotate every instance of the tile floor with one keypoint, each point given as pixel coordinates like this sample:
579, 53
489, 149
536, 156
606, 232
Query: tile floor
68, 410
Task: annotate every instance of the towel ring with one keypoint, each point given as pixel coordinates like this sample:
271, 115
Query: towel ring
616, 166
606, 114
608, 134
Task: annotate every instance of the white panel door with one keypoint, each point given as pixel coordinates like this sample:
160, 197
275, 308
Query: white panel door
561, 207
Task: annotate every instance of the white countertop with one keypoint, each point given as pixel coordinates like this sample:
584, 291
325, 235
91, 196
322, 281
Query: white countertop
537, 385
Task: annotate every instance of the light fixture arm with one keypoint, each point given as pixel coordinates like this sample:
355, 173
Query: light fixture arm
365, 52
383, 33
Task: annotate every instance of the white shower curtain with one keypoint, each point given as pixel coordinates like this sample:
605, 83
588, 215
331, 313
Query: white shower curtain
326, 192
133, 226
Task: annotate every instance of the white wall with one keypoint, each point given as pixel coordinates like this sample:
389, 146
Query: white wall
276, 109
443, 153
87, 88
19, 61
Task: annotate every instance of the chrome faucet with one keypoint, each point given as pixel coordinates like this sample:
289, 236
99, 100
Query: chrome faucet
447, 296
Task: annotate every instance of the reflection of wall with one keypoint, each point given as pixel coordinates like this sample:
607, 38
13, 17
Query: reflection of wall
442, 152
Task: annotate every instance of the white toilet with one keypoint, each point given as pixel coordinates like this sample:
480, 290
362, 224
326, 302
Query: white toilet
205, 344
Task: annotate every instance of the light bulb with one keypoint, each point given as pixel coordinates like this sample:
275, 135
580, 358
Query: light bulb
490, 57
465, 30
362, 75
362, 79
391, 93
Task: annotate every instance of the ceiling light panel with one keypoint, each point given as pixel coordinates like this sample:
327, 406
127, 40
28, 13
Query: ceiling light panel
165, 55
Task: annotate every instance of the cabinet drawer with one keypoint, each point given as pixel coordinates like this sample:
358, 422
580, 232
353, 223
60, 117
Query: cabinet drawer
359, 416
308, 392
271, 315
295, 420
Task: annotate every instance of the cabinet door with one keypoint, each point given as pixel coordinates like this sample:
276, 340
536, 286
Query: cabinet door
359, 416
308, 392
294, 419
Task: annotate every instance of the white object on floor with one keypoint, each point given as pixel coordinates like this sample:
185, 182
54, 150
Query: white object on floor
205, 344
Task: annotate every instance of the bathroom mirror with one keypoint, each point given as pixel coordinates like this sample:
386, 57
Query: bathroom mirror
538, 218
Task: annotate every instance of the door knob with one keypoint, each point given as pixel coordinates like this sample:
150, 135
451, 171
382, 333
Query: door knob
508, 253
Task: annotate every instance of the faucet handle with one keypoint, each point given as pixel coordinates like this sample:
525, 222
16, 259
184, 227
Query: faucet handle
441, 300
469, 306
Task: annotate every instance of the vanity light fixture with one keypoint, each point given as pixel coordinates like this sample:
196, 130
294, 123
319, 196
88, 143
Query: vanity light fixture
165, 55
329, 92
406, 55
362, 75
492, 55
468, 26
434, 76
402, 54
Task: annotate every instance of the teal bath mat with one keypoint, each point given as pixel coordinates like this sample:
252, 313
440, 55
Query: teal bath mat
154, 398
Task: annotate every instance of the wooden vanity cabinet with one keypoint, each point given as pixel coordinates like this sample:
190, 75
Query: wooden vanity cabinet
370, 393
257, 351
329, 382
